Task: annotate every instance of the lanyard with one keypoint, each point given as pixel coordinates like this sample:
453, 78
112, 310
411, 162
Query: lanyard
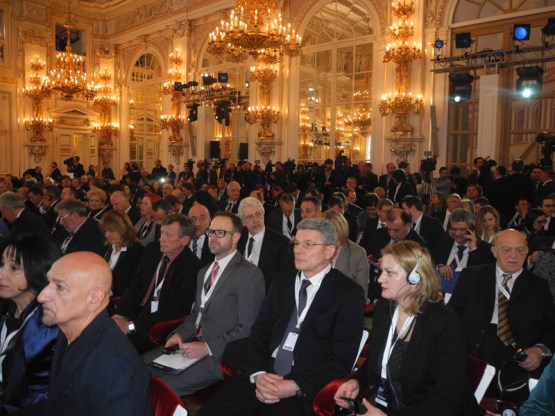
158, 286
463, 261
204, 297
390, 343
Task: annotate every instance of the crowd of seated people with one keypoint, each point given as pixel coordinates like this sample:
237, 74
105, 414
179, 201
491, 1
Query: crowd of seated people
230, 248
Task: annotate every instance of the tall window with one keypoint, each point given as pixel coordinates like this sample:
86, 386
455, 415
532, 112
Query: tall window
335, 83
145, 81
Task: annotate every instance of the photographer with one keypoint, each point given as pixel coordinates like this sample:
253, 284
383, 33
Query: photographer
417, 364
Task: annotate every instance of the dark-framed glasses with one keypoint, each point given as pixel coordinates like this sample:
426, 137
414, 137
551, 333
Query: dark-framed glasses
218, 233
307, 244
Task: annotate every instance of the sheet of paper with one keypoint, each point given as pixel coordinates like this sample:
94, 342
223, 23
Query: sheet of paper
175, 361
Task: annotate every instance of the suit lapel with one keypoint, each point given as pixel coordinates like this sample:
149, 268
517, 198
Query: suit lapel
521, 285
324, 297
231, 266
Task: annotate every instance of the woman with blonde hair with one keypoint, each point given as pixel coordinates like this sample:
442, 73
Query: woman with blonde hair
97, 206
487, 223
417, 363
350, 258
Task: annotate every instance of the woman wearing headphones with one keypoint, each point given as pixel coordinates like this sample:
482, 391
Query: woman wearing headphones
417, 364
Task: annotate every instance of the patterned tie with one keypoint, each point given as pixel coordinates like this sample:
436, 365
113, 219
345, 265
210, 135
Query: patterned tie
504, 331
229, 206
66, 242
195, 246
460, 255
249, 247
284, 358
289, 226
213, 275
156, 278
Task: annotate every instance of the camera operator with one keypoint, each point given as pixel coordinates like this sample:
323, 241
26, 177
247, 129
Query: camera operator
73, 166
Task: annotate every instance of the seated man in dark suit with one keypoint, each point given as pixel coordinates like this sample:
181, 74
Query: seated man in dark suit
383, 206
230, 291
200, 215
306, 335
81, 232
429, 228
265, 248
505, 308
284, 219
120, 202
21, 220
95, 370
461, 249
231, 204
165, 285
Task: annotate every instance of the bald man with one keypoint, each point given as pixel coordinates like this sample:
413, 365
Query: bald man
95, 369
119, 202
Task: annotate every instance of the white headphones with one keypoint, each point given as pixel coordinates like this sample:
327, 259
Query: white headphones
413, 277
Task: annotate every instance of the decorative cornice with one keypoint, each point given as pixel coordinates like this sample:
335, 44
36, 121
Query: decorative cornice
11, 81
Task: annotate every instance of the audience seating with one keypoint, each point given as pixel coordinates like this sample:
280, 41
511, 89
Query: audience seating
164, 401
160, 331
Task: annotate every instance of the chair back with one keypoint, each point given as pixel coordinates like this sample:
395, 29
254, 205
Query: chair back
480, 374
164, 401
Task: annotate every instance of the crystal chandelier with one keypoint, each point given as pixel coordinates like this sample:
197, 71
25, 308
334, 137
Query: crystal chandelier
402, 52
105, 128
254, 29
68, 77
39, 90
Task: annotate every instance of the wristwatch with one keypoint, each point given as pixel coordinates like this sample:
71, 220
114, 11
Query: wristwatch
546, 353
299, 392
131, 327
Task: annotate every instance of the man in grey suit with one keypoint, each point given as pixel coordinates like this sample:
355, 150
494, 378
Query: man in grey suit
230, 291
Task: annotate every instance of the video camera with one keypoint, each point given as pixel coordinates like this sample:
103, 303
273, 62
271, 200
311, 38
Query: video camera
428, 164
547, 140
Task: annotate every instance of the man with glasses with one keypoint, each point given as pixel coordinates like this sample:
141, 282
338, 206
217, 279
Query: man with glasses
306, 335
81, 232
263, 247
230, 291
200, 215
505, 309
461, 249
20, 219
165, 285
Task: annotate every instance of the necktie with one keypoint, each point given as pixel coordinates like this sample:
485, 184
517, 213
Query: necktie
504, 331
289, 226
229, 206
195, 246
381, 225
413, 225
284, 358
213, 275
66, 242
156, 278
249, 247
460, 255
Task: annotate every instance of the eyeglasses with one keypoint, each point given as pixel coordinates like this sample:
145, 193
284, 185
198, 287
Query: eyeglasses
307, 244
459, 230
253, 216
63, 217
218, 233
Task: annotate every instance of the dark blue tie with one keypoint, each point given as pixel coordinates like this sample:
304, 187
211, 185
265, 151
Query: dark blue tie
284, 358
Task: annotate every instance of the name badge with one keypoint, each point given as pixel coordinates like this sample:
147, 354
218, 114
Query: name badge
154, 306
290, 341
382, 395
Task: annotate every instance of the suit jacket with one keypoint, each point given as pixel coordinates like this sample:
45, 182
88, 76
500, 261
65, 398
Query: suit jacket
100, 375
431, 231
126, 267
276, 255
434, 365
29, 223
134, 215
530, 311
481, 255
353, 263
546, 188
232, 308
329, 338
384, 182
206, 256
275, 220
176, 296
397, 195
88, 237
352, 220
222, 205
369, 233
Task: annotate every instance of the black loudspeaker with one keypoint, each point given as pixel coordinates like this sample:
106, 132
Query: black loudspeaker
214, 149
243, 151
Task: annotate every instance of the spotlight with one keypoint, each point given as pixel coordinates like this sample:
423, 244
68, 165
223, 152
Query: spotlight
178, 86
521, 32
192, 84
463, 40
529, 82
222, 112
208, 80
460, 87
193, 113
549, 28
223, 77
438, 44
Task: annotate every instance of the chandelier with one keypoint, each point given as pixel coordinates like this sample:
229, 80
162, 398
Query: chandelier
360, 119
402, 52
68, 77
254, 29
105, 128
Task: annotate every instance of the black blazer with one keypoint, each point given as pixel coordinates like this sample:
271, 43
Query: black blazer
397, 196
481, 255
101, 374
275, 220
434, 371
134, 215
276, 255
222, 205
88, 237
176, 296
329, 338
530, 311
126, 267
29, 223
206, 256
431, 230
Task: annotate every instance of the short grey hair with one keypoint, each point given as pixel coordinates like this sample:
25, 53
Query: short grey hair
10, 199
249, 202
72, 205
461, 214
323, 226
186, 225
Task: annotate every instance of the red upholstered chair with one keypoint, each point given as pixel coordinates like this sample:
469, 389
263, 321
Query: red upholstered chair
160, 331
164, 401
480, 374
